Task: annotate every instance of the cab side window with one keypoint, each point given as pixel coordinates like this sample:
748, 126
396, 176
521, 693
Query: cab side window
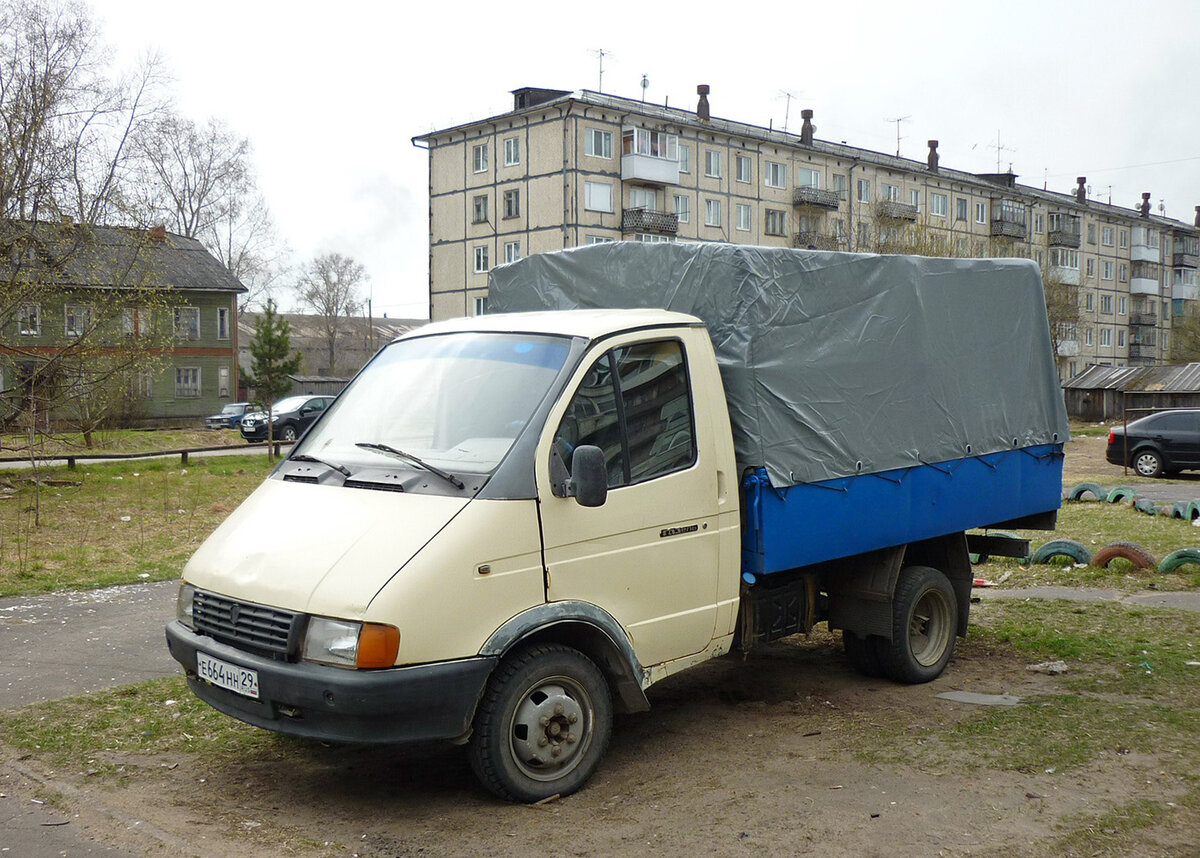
636, 406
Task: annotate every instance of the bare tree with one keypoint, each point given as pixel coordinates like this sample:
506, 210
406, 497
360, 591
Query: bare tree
330, 286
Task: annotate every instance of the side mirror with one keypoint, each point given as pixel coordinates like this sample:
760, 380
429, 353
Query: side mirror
589, 476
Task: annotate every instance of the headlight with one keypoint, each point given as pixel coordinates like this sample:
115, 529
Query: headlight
183, 605
274, 417
345, 643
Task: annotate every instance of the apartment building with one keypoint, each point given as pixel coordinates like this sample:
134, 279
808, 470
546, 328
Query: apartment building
563, 169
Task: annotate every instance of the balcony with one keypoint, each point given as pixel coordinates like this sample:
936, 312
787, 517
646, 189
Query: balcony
648, 220
1069, 276
812, 239
1065, 236
1143, 350
1148, 320
1003, 227
1068, 348
815, 198
894, 210
649, 169
1187, 258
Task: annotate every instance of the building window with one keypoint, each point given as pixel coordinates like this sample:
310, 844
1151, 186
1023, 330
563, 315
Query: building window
743, 168
1124, 239
864, 236
743, 217
597, 239
512, 251
980, 212
481, 259
187, 382
839, 230
712, 163
914, 199
479, 209
960, 208
1121, 338
1106, 338
1123, 272
712, 212
776, 222
597, 143
775, 175
683, 208
479, 158
597, 197
1063, 257
29, 320
223, 381
1089, 302
839, 185
1106, 270
512, 151
1091, 233
1106, 236
685, 158
643, 198
512, 203
655, 144
1039, 224
864, 190
135, 321
1091, 268
222, 323
806, 178
1122, 305
939, 205
653, 238
889, 192
1106, 304
481, 306
141, 385
187, 323
1088, 337
77, 319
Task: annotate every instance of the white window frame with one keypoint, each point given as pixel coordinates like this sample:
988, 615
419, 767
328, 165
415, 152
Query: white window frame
1090, 267
1106, 269
77, 318
1122, 305
914, 198
480, 305
960, 209
713, 163
712, 212
479, 158
597, 197
775, 175
1106, 304
1089, 301
512, 151
775, 222
182, 327
479, 208
1106, 338
29, 319
980, 212
597, 239
744, 166
683, 208
806, 177
1107, 236
512, 203
597, 143
863, 190
512, 251
889, 192
1120, 338
482, 258
939, 204
1124, 239
1089, 338
223, 376
685, 158
643, 198
744, 216
184, 387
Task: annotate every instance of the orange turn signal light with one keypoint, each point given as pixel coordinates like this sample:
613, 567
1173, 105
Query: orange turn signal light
378, 645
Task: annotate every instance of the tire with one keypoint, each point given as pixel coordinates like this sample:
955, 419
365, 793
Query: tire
1077, 551
924, 626
543, 724
288, 433
1146, 505
1179, 509
1148, 463
1096, 490
1182, 557
862, 651
1131, 551
1122, 493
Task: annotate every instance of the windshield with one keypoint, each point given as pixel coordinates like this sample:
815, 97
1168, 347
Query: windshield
289, 404
233, 409
455, 401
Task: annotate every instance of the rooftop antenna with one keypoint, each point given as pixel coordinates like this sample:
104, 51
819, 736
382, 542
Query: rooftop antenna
601, 53
645, 86
898, 120
787, 107
1001, 149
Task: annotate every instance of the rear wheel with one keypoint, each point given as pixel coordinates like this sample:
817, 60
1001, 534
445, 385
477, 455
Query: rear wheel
1148, 463
924, 625
288, 433
543, 724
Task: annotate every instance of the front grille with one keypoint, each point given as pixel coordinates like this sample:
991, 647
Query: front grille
245, 624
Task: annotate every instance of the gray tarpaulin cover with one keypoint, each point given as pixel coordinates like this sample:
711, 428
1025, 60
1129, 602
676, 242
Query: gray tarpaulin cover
836, 363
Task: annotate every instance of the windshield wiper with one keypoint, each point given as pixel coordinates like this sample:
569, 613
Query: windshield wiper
304, 457
409, 457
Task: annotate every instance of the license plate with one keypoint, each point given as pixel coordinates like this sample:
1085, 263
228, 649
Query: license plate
239, 680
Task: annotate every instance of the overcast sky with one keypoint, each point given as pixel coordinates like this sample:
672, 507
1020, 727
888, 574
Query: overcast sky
331, 94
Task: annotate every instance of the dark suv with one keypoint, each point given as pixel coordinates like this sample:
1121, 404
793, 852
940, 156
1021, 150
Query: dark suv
1158, 445
291, 417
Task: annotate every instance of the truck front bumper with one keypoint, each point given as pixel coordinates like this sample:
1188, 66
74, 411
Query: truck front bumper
401, 704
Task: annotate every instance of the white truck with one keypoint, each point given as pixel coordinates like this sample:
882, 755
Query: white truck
508, 527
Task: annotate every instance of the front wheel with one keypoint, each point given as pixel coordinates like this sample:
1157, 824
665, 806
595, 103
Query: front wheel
543, 724
924, 625
288, 433
1148, 463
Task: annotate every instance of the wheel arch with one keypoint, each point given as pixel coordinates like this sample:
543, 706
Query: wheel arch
590, 630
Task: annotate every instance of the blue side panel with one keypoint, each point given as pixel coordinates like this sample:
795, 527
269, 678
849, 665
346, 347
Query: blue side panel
814, 522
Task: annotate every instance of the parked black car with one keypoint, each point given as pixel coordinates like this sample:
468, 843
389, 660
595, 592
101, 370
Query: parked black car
1158, 445
229, 418
291, 417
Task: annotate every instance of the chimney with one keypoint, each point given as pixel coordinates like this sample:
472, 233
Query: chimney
933, 156
1198, 216
158, 234
1144, 208
702, 107
1081, 189
806, 130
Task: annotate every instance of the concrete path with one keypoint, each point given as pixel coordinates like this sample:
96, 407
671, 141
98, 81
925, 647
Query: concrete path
1185, 600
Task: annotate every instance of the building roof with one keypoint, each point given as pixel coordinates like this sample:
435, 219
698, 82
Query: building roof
78, 256
1145, 379
995, 184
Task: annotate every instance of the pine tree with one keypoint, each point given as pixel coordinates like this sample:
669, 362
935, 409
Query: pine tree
271, 362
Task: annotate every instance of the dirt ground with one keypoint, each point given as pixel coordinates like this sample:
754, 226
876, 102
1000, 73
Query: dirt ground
763, 758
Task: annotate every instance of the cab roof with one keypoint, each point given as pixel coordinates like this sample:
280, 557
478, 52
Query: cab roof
591, 324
